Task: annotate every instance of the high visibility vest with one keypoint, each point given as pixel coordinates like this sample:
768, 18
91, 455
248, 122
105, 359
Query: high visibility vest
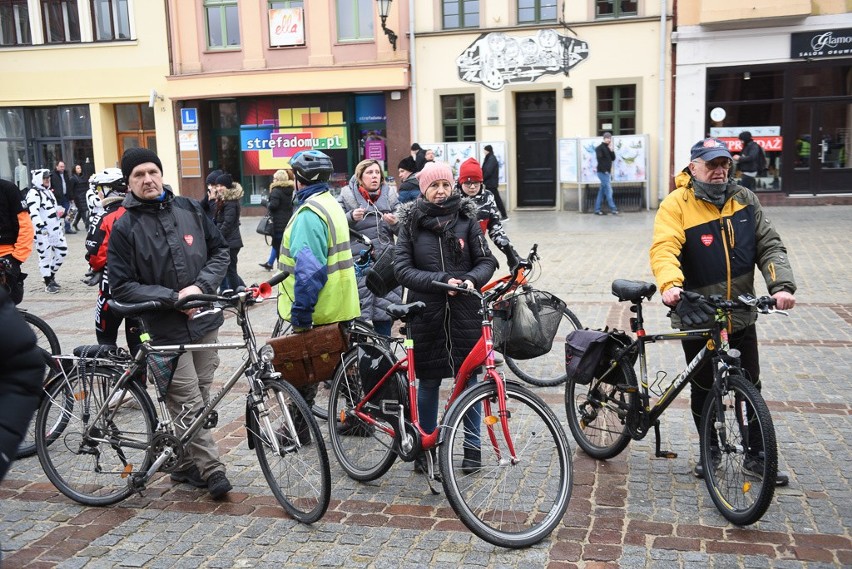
338, 299
804, 148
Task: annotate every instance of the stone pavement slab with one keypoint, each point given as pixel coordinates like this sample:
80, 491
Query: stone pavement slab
631, 511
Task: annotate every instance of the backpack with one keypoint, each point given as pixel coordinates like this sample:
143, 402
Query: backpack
762, 162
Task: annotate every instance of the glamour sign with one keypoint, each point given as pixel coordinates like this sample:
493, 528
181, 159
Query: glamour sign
824, 43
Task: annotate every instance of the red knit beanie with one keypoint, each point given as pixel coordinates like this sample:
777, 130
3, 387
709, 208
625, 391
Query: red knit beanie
470, 171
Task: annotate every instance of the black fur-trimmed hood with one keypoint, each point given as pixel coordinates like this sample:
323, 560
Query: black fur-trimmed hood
405, 212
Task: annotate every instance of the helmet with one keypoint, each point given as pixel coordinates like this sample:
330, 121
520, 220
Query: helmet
311, 166
110, 181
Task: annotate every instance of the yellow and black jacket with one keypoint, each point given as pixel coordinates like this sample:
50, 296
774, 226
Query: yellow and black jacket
700, 248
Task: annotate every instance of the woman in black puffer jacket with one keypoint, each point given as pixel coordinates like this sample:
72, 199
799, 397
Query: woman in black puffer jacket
440, 240
280, 206
227, 219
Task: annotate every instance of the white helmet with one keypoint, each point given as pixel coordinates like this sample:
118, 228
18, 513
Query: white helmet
109, 181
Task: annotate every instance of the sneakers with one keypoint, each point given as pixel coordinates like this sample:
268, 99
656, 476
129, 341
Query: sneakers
124, 399
600, 213
355, 428
472, 461
616, 212
51, 288
753, 466
218, 485
189, 476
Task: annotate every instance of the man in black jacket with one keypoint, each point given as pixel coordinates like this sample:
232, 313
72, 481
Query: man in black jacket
60, 181
748, 161
164, 248
605, 156
491, 178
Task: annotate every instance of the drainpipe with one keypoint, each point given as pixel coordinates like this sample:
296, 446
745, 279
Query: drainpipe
412, 72
661, 162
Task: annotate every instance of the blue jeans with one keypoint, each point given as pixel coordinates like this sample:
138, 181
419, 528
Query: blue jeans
605, 191
427, 409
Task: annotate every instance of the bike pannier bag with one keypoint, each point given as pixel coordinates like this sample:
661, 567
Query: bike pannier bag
584, 352
380, 277
309, 357
525, 323
373, 364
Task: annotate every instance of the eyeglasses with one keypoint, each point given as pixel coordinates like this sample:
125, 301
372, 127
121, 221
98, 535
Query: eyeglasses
471, 184
717, 163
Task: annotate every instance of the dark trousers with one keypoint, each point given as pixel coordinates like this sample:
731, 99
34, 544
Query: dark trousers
232, 279
499, 201
746, 342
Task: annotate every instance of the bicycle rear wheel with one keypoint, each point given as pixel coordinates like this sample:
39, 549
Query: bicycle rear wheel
547, 370
507, 502
45, 336
298, 473
91, 463
597, 413
365, 451
738, 451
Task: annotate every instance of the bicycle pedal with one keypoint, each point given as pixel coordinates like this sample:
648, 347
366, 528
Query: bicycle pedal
212, 420
666, 454
627, 388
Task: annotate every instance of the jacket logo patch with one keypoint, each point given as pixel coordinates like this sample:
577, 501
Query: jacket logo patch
188, 239
461, 243
707, 239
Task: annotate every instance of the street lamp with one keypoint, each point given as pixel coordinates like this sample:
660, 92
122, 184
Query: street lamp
384, 8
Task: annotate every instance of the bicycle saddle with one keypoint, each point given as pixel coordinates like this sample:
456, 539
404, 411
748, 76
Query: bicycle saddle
406, 312
633, 291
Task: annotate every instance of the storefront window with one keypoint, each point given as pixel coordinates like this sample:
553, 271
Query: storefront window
225, 114
823, 81
75, 121
12, 147
46, 122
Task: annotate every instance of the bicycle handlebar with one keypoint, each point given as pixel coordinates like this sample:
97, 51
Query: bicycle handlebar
497, 291
764, 304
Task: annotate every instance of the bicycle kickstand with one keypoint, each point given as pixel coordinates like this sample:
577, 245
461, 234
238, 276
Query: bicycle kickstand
660, 453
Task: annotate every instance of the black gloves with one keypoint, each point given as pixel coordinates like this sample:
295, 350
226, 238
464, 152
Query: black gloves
693, 311
512, 257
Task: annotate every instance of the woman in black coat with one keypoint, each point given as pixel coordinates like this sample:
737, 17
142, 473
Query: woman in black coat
440, 240
79, 187
280, 206
229, 194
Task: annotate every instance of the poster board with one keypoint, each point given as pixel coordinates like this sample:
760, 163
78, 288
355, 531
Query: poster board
499, 149
631, 159
568, 161
458, 152
439, 148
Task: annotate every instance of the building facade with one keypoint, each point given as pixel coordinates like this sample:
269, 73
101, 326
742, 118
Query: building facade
252, 83
78, 77
780, 70
541, 81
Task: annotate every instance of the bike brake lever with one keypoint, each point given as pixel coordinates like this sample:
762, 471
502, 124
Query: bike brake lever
209, 311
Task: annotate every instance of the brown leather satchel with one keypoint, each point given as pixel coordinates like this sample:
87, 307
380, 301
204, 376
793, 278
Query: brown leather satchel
309, 357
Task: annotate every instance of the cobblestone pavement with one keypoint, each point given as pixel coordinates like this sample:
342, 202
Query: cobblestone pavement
632, 511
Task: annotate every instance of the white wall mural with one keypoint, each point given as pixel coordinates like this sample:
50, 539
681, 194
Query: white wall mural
496, 59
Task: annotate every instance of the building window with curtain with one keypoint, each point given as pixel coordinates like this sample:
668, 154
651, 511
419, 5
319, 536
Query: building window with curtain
536, 11
615, 8
61, 21
616, 109
355, 20
15, 23
223, 24
460, 14
110, 20
458, 117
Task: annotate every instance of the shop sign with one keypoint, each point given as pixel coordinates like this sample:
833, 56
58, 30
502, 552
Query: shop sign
824, 43
496, 59
286, 27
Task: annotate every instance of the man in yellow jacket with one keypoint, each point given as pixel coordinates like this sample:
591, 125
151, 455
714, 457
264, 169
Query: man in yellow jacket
709, 234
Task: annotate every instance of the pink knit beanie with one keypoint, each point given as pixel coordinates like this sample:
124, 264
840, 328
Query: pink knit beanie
433, 171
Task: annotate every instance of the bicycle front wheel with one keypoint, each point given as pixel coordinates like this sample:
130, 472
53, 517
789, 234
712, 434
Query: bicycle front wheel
364, 450
298, 472
509, 501
547, 370
46, 338
93, 462
738, 451
597, 413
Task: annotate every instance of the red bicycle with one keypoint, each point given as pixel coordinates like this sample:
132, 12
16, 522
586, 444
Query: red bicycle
521, 490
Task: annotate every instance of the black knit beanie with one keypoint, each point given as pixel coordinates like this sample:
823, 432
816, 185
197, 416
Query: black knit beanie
224, 179
133, 157
211, 177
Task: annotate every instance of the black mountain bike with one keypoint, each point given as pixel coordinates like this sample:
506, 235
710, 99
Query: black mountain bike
737, 437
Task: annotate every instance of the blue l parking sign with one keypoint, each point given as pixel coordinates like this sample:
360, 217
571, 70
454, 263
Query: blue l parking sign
189, 119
